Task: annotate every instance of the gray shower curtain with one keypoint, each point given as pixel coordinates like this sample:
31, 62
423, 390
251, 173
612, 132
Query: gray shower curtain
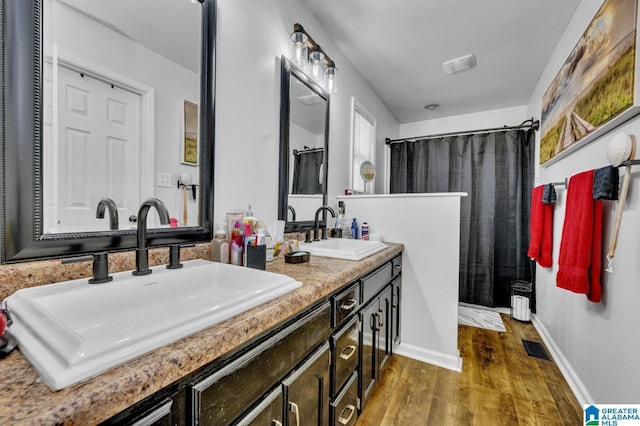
307, 166
496, 170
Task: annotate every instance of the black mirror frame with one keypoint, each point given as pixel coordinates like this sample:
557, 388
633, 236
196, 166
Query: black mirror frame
21, 154
287, 70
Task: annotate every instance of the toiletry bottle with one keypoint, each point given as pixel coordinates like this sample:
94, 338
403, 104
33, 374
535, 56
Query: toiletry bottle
346, 233
365, 231
250, 219
220, 244
237, 245
270, 248
339, 219
354, 229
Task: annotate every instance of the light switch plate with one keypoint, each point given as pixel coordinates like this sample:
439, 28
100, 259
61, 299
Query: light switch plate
164, 180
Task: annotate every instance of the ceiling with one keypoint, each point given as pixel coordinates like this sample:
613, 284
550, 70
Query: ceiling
168, 27
399, 47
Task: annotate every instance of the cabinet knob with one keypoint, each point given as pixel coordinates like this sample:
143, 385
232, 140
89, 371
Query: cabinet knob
349, 305
345, 420
294, 407
348, 352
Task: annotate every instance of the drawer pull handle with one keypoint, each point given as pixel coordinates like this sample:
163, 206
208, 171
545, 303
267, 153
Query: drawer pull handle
348, 352
345, 420
352, 303
294, 407
276, 423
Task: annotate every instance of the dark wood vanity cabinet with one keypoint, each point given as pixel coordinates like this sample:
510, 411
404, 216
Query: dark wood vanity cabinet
307, 390
376, 348
318, 368
221, 397
380, 317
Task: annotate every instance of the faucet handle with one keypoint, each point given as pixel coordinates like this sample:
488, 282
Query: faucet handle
100, 266
174, 255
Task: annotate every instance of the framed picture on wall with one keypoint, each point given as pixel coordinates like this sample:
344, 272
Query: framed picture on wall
596, 88
189, 134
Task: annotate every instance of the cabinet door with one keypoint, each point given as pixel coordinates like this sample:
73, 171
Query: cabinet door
307, 390
345, 354
157, 416
344, 408
222, 396
395, 313
368, 349
384, 328
267, 413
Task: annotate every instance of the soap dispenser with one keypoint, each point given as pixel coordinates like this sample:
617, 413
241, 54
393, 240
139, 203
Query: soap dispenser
237, 244
220, 246
354, 229
339, 219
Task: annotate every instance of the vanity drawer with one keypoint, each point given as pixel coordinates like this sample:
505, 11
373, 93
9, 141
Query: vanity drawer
346, 303
374, 282
345, 353
344, 408
222, 396
396, 262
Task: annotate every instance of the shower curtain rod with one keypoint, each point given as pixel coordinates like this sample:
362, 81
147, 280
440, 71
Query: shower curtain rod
527, 124
307, 149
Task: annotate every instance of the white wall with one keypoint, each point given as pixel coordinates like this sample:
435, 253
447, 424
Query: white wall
596, 345
457, 123
429, 227
251, 38
112, 52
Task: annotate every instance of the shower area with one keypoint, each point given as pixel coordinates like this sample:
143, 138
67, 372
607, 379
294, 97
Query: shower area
307, 171
495, 167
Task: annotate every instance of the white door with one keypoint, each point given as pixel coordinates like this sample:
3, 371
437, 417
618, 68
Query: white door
99, 135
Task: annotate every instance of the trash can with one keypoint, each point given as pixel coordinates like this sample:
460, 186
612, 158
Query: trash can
521, 293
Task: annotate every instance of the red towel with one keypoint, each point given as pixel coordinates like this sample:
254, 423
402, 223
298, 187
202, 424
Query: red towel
540, 229
580, 249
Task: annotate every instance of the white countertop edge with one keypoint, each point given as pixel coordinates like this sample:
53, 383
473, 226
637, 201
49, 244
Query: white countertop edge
420, 195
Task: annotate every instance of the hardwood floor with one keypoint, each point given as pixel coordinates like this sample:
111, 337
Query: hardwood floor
499, 385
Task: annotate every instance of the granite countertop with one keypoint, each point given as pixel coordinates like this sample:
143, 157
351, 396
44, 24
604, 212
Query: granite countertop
25, 399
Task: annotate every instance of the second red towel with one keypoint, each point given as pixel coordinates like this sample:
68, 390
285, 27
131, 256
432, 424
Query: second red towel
580, 258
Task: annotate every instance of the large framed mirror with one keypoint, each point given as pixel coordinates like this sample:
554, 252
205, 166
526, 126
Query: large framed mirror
304, 147
105, 102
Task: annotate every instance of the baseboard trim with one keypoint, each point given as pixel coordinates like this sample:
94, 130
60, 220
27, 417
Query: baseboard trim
430, 357
579, 390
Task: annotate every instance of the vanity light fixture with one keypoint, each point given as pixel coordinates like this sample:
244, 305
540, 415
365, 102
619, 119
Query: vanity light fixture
309, 56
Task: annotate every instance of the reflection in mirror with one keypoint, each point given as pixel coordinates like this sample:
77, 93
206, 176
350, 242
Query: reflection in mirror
115, 83
304, 130
93, 102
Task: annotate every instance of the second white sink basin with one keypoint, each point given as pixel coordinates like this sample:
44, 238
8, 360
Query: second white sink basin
342, 248
74, 330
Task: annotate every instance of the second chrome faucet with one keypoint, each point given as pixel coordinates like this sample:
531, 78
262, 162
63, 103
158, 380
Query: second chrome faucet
316, 223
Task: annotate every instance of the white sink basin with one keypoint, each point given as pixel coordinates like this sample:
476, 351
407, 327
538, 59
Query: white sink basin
74, 330
341, 248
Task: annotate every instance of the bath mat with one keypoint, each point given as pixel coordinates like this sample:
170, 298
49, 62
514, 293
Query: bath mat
536, 350
481, 318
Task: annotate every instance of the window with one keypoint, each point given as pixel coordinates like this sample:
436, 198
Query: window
364, 147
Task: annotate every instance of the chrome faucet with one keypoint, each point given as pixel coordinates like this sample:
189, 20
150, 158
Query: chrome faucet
316, 223
108, 203
142, 252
